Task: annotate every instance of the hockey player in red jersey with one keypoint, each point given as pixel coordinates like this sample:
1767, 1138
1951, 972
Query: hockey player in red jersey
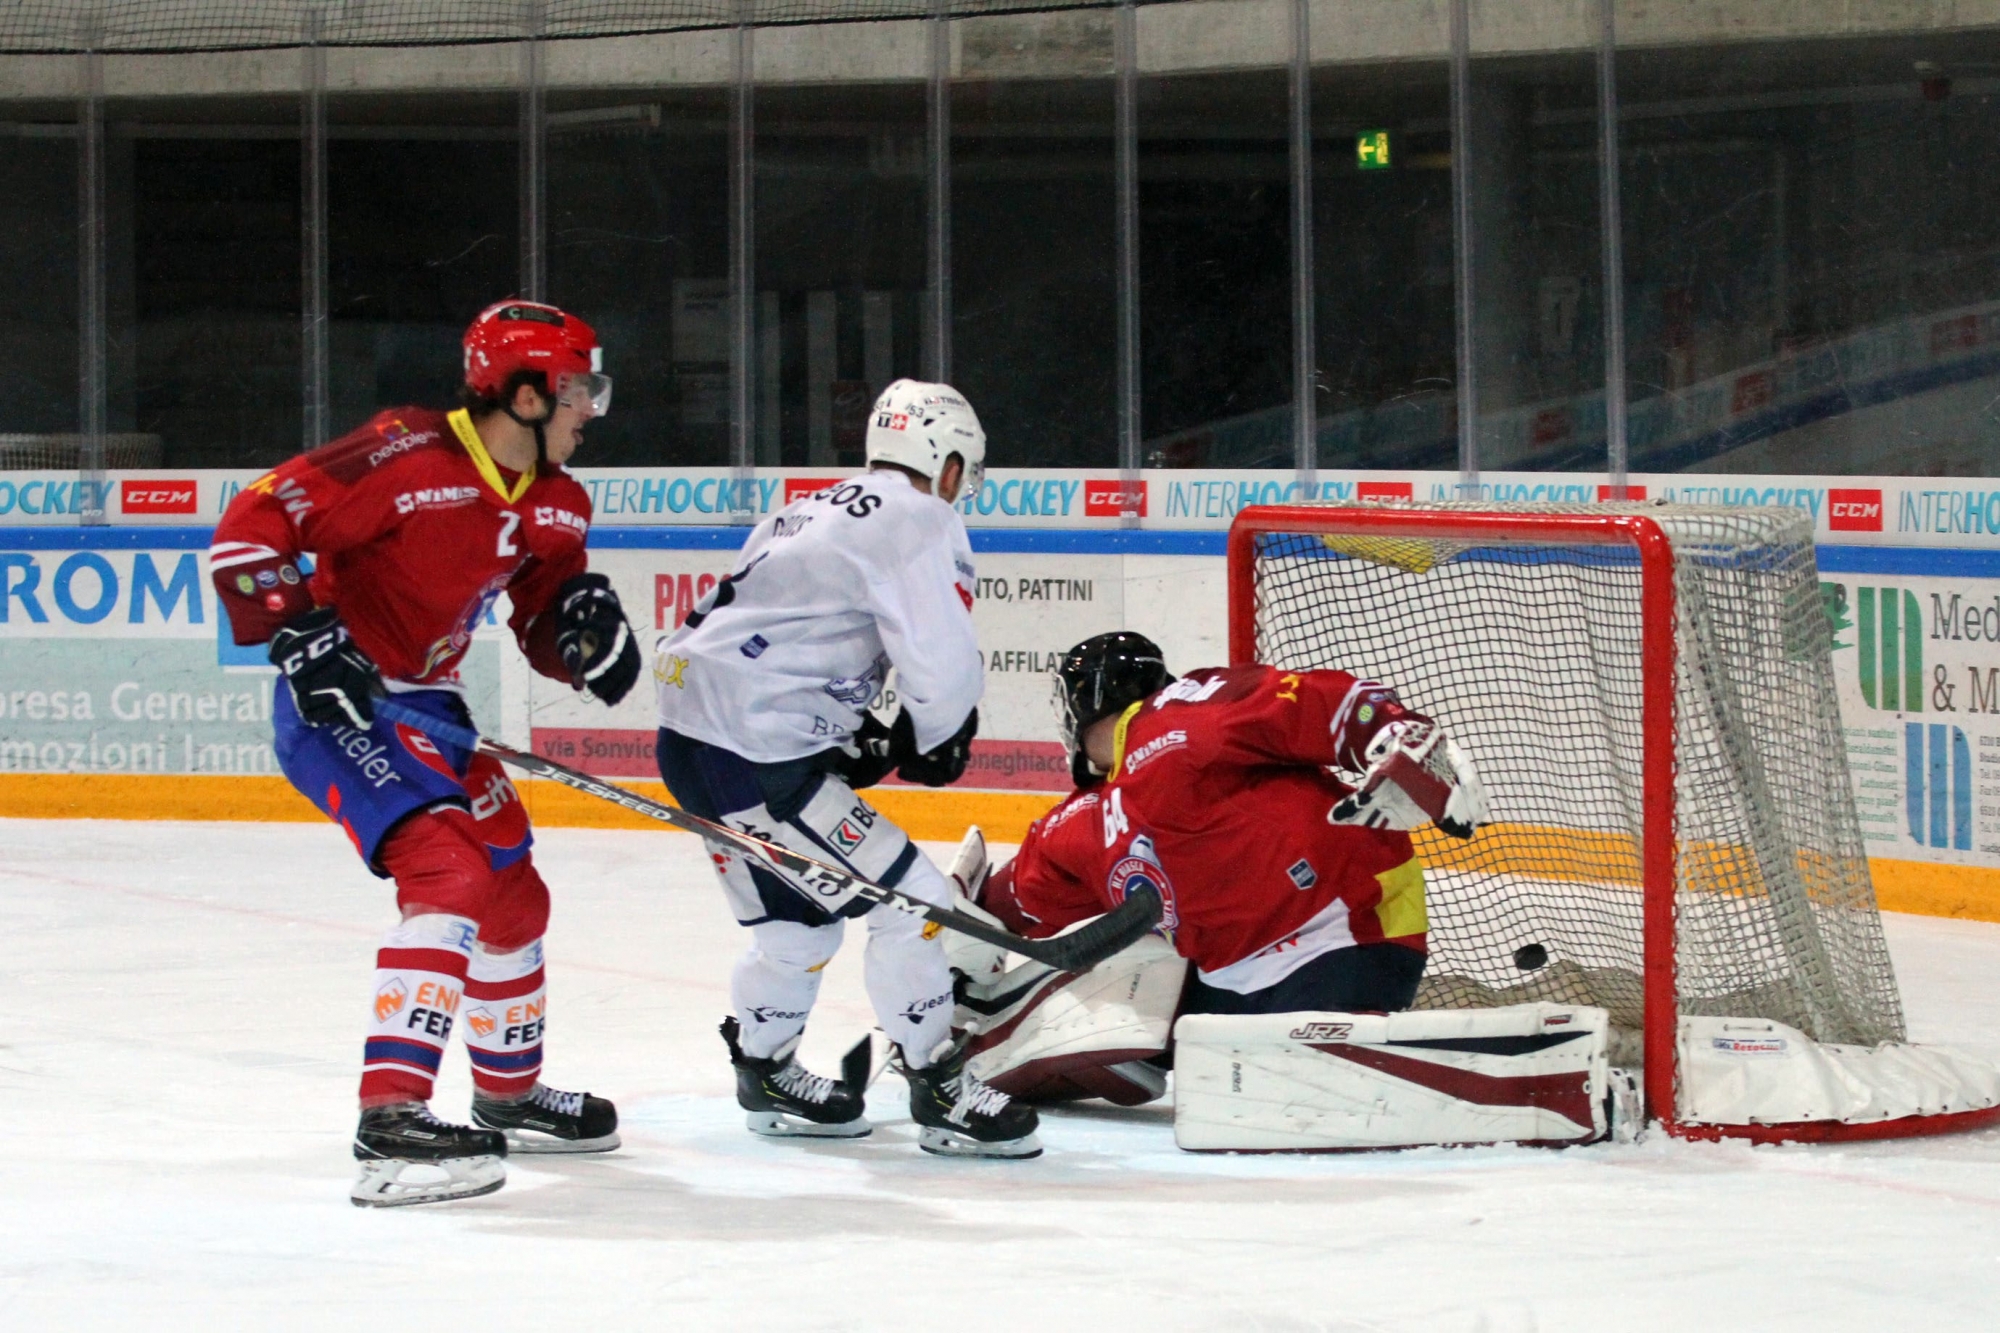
1287, 887
415, 524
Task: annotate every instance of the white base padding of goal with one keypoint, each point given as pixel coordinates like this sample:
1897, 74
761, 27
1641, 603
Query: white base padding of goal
1327, 1082
1755, 1072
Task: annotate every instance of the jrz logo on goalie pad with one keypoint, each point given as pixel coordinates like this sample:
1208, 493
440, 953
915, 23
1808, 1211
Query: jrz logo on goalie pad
1322, 1031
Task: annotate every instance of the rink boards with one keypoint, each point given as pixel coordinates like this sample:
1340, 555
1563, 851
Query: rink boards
122, 694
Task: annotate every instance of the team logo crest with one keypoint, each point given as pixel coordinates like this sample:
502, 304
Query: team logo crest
1140, 868
389, 1000
847, 837
1302, 874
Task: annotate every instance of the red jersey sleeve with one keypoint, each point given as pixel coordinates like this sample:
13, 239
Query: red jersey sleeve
533, 589
1054, 880
1262, 715
319, 502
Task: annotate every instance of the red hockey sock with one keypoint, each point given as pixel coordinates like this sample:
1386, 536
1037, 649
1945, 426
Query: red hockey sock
506, 997
420, 976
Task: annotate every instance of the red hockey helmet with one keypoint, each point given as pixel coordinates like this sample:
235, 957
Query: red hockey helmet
526, 335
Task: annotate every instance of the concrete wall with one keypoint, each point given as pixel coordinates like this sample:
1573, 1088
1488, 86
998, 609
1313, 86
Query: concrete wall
1183, 37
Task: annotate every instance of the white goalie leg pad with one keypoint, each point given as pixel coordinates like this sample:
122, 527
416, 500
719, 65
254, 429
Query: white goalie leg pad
1041, 1035
1751, 1071
1528, 1073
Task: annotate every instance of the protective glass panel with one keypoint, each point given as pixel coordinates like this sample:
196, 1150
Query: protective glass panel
1034, 259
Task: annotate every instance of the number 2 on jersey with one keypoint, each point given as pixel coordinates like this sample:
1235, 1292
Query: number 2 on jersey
509, 521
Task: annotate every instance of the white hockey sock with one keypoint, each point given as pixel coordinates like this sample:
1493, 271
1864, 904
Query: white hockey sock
775, 983
909, 981
419, 980
506, 998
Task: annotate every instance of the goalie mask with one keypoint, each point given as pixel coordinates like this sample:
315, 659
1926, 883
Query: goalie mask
1099, 678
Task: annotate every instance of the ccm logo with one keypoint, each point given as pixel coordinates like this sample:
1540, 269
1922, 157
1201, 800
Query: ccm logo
1109, 499
1385, 490
800, 487
156, 497
1854, 511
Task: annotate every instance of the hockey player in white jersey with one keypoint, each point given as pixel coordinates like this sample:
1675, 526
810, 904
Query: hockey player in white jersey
764, 725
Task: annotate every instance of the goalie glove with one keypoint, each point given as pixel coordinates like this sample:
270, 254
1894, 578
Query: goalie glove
1415, 774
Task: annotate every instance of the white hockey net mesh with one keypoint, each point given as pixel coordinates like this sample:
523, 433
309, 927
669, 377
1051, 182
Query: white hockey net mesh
1529, 655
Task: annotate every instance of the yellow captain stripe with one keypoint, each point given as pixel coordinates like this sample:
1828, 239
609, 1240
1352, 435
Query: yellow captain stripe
1118, 739
461, 425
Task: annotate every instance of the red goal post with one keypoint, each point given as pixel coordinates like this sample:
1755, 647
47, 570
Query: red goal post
1781, 922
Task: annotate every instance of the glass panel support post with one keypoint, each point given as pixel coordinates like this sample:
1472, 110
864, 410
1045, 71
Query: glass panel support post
937, 354
92, 388
1462, 248
1125, 54
1617, 462
742, 270
1305, 378
312, 232
534, 152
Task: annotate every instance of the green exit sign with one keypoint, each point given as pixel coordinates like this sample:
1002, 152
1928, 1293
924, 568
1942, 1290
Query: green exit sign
1371, 150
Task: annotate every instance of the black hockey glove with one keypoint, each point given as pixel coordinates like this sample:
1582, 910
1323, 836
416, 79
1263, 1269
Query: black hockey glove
594, 639
946, 764
881, 748
332, 680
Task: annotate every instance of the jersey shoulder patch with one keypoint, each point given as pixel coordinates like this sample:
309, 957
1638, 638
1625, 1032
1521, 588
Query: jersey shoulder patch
558, 503
387, 438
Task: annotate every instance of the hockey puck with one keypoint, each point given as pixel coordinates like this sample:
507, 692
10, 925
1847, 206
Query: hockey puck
1530, 956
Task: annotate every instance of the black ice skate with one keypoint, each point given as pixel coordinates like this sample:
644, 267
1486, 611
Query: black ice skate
959, 1116
550, 1121
408, 1156
784, 1100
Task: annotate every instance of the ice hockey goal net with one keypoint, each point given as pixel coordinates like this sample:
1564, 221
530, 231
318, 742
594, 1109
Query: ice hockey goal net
1648, 694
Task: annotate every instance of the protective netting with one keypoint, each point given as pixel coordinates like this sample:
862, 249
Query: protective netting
134, 26
1529, 655
29, 453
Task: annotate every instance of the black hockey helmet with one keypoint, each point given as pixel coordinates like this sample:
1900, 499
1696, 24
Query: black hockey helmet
1102, 677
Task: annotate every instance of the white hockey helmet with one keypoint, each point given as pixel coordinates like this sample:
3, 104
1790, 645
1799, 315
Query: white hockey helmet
919, 426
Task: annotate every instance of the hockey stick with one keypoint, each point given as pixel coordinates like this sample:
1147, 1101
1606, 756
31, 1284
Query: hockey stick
1076, 951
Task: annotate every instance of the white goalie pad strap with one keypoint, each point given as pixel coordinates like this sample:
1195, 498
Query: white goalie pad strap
1751, 1071
1528, 1073
1044, 1035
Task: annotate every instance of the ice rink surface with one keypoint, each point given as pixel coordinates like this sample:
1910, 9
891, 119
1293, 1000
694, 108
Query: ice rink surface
182, 1013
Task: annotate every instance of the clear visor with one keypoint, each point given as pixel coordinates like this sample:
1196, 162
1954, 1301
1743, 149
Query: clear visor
586, 391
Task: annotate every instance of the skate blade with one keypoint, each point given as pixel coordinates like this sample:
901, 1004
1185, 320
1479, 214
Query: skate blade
386, 1183
531, 1141
950, 1143
778, 1125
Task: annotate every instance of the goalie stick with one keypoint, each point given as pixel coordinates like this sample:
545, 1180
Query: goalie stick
1075, 951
